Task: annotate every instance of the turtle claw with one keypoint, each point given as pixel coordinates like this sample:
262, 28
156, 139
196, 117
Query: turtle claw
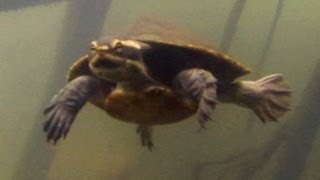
268, 97
59, 120
145, 133
65, 105
207, 103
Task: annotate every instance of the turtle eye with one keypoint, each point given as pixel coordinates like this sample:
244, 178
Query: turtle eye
116, 44
93, 45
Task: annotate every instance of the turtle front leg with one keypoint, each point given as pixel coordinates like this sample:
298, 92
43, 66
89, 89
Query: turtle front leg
64, 106
145, 133
200, 86
268, 97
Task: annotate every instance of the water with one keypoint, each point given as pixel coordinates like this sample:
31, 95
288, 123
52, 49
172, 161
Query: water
39, 40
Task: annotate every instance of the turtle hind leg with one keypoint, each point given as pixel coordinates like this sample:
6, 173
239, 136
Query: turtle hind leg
145, 133
200, 86
268, 97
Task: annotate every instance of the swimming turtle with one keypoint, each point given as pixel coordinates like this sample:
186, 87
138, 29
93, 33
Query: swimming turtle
151, 80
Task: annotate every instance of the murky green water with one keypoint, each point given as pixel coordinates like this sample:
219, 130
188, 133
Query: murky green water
39, 40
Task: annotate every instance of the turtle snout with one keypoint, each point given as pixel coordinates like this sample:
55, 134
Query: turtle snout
107, 61
94, 46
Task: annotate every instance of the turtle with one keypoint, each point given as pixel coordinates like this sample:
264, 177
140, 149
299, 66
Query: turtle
150, 78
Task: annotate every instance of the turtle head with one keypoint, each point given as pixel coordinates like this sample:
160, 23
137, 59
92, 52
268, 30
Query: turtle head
130, 49
116, 60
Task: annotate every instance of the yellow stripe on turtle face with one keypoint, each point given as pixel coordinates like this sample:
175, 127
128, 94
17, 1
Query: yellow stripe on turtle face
127, 43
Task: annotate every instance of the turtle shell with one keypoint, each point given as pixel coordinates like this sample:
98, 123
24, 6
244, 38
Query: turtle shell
169, 54
173, 50
80, 68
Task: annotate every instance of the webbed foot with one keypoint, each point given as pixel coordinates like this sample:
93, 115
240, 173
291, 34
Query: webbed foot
268, 97
59, 119
64, 106
145, 133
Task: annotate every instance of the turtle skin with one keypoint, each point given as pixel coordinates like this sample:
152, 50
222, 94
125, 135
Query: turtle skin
151, 80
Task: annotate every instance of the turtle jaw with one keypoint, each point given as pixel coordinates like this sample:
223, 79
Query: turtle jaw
117, 69
107, 66
104, 61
